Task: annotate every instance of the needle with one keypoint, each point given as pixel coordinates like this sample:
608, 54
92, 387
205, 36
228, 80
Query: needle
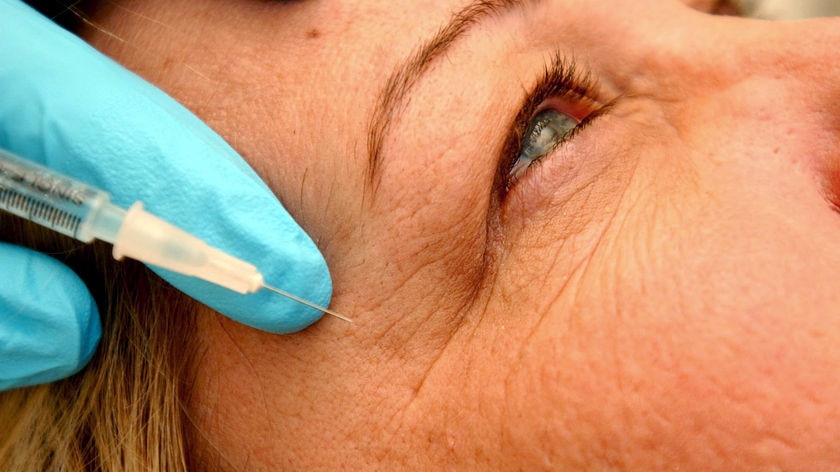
309, 304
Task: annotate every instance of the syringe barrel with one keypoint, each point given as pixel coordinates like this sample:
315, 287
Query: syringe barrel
45, 197
77, 210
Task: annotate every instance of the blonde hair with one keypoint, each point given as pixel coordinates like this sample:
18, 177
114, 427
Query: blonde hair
125, 410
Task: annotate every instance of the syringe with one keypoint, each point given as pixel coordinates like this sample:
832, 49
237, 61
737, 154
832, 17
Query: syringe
72, 208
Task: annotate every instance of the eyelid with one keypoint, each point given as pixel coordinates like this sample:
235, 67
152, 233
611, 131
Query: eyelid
563, 86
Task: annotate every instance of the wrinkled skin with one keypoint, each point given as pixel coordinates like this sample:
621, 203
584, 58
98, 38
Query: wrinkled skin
660, 292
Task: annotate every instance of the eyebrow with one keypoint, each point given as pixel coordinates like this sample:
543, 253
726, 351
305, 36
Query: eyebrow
392, 97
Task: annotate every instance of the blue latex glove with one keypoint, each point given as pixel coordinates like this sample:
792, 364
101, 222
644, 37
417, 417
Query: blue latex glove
65, 105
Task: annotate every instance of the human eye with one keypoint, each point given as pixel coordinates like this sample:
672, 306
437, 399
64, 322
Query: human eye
547, 130
562, 103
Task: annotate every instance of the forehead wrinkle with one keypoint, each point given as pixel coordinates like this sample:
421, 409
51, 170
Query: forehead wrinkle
393, 95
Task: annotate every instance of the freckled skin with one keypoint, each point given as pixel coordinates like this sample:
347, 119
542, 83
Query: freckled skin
659, 293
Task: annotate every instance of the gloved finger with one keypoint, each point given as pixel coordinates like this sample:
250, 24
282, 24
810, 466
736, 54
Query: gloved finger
49, 323
67, 106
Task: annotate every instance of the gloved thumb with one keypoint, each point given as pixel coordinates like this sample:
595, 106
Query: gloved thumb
49, 323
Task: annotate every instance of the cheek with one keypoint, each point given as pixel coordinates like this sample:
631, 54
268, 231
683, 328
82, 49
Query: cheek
432, 205
724, 335
697, 327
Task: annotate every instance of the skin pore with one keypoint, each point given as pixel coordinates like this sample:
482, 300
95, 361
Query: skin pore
659, 289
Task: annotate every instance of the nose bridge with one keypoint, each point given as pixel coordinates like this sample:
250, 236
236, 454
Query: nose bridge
806, 53
689, 49
774, 87
786, 73
782, 66
720, 51
769, 88
792, 70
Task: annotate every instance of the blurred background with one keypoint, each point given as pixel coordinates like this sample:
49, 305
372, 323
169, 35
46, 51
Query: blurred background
783, 9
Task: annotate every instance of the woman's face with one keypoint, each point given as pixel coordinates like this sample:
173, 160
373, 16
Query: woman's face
661, 288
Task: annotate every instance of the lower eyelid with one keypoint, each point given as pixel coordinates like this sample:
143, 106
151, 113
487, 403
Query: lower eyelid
559, 175
541, 137
583, 114
582, 126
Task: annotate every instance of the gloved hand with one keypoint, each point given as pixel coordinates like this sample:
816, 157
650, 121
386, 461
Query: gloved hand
65, 105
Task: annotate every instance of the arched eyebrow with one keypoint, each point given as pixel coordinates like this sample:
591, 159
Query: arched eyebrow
392, 97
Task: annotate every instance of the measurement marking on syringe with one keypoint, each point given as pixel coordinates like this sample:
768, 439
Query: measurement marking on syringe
39, 182
40, 212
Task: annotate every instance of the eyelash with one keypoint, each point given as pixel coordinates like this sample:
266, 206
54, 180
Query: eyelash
563, 80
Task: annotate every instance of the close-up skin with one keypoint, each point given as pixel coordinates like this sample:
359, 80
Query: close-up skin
658, 289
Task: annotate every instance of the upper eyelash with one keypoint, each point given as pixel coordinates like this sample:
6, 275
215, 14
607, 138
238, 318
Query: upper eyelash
561, 78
